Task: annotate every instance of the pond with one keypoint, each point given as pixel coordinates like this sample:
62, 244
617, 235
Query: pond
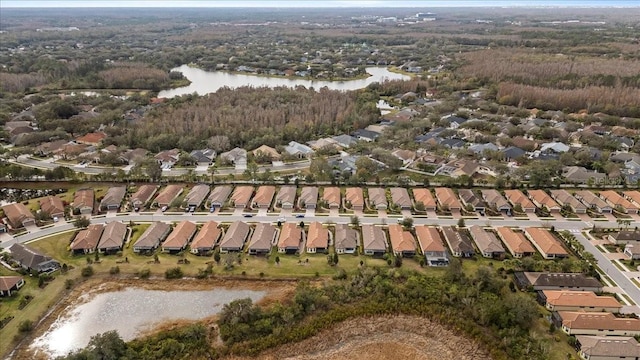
204, 82
131, 312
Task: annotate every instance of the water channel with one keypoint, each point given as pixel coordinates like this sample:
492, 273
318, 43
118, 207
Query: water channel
131, 312
204, 82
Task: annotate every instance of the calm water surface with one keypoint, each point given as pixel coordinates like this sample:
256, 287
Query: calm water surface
204, 82
131, 312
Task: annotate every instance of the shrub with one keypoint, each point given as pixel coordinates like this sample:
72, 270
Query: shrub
87, 271
174, 273
25, 326
114, 270
144, 273
68, 284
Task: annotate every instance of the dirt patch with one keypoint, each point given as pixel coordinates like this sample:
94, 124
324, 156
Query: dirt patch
276, 291
381, 338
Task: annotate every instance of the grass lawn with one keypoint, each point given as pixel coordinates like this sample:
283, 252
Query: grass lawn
559, 346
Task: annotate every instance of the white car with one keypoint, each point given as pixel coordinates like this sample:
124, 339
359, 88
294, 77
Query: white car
164, 208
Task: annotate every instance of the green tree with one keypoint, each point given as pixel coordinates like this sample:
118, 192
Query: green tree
81, 222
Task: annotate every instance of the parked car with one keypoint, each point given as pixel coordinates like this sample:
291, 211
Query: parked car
300, 216
164, 208
247, 215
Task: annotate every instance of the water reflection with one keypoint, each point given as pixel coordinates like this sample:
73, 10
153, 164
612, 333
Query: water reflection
131, 312
204, 82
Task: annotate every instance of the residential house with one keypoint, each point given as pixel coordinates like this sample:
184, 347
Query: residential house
83, 201
588, 301
235, 237
545, 243
454, 121
113, 198
286, 197
18, 215
354, 198
366, 135
618, 202
87, 240
632, 250
496, 201
518, 198
167, 158
48, 148
425, 197
400, 198
53, 206
632, 196
580, 175
591, 323
542, 200
179, 238
134, 156
402, 242
267, 151
378, 198
331, 197
487, 242
593, 202
151, 238
458, 242
237, 157
264, 197
345, 239
30, 259
219, 195
317, 238
564, 198
262, 239
291, 236
241, 197
469, 199
203, 157
479, 149
512, 153
9, 284
142, 196
460, 167
448, 199
112, 238
324, 143
299, 150
557, 281
168, 195
553, 149
71, 150
407, 156
308, 197
94, 139
432, 246
625, 237
206, 239
516, 242
195, 197
345, 141
374, 241
607, 347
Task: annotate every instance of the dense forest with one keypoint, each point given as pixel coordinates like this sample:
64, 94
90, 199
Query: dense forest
481, 307
255, 116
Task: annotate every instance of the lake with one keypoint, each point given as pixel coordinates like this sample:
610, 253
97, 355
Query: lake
204, 82
131, 312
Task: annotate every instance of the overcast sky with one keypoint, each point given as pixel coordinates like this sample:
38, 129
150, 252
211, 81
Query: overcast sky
312, 3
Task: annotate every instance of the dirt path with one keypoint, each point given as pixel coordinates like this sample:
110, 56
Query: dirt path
381, 338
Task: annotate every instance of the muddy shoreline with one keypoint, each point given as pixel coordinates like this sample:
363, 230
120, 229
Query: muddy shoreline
275, 291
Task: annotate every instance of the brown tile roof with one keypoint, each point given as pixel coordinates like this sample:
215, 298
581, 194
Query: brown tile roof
113, 196
8, 282
83, 198
544, 241
264, 195
401, 240
345, 237
207, 236
424, 196
235, 236
575, 320
448, 198
87, 239
220, 194
168, 194
459, 243
262, 237
634, 196
290, 236
377, 196
579, 299
197, 195
92, 138
494, 198
112, 235
286, 195
242, 195
180, 236
318, 236
267, 150
608, 347
373, 238
143, 195
429, 239
486, 241
590, 199
17, 213
152, 236
355, 196
518, 197
563, 197
52, 205
516, 242
400, 197
542, 198
331, 195
308, 196
614, 198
